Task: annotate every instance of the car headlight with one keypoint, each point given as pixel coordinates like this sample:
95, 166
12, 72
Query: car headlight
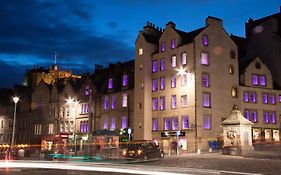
124, 152
139, 151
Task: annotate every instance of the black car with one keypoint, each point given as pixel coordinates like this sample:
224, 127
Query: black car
142, 149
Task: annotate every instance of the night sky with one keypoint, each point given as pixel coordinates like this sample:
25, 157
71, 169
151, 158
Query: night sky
89, 32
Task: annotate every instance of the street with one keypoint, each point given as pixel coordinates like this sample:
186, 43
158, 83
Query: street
209, 163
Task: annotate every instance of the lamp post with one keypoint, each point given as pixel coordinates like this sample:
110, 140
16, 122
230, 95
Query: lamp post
15, 99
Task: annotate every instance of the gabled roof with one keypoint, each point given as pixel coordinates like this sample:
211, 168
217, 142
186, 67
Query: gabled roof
189, 37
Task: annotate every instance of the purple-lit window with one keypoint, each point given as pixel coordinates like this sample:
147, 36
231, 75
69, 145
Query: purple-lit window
255, 81
154, 104
173, 43
253, 97
207, 122
113, 102
266, 117
205, 80
183, 59
167, 123
205, 40
206, 99
105, 126
173, 61
246, 97
173, 81
85, 108
175, 123
204, 58
125, 80
154, 85
174, 101
162, 64
124, 100
162, 103
272, 117
105, 105
84, 126
124, 122
247, 114
279, 98
185, 122
162, 83
262, 80
154, 66
254, 116
113, 123
87, 90
155, 124
272, 99
163, 47
110, 83
264, 98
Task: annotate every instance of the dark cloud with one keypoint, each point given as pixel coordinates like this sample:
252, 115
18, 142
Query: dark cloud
38, 28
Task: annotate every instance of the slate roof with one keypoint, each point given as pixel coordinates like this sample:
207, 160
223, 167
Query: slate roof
189, 37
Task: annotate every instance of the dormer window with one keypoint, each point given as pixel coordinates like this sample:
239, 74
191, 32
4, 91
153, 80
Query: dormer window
205, 40
163, 47
110, 83
173, 43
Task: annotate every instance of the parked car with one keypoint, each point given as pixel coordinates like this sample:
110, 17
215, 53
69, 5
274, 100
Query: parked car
142, 149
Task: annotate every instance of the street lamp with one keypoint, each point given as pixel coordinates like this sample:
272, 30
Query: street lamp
15, 99
71, 101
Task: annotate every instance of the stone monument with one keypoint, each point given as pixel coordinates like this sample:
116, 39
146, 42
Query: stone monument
237, 134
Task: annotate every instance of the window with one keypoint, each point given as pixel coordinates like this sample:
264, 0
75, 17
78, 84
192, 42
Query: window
67, 111
247, 114
174, 102
255, 80
204, 58
173, 43
272, 99
113, 102
175, 123
125, 80
264, 98
124, 122
154, 85
87, 90
184, 101
232, 54
234, 92
185, 122
206, 99
183, 59
173, 61
37, 129
110, 83
2, 124
140, 51
231, 69
279, 98
154, 66
207, 122
155, 124
113, 123
105, 123
162, 103
163, 47
266, 117
162, 83
173, 81
124, 100
205, 40
246, 97
84, 108
184, 80
154, 104
105, 105
262, 80
272, 117
162, 64
205, 80
84, 126
167, 123
253, 97
51, 128
254, 116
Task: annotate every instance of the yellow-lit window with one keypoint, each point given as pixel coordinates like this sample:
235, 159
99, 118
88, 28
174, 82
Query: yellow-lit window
140, 51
